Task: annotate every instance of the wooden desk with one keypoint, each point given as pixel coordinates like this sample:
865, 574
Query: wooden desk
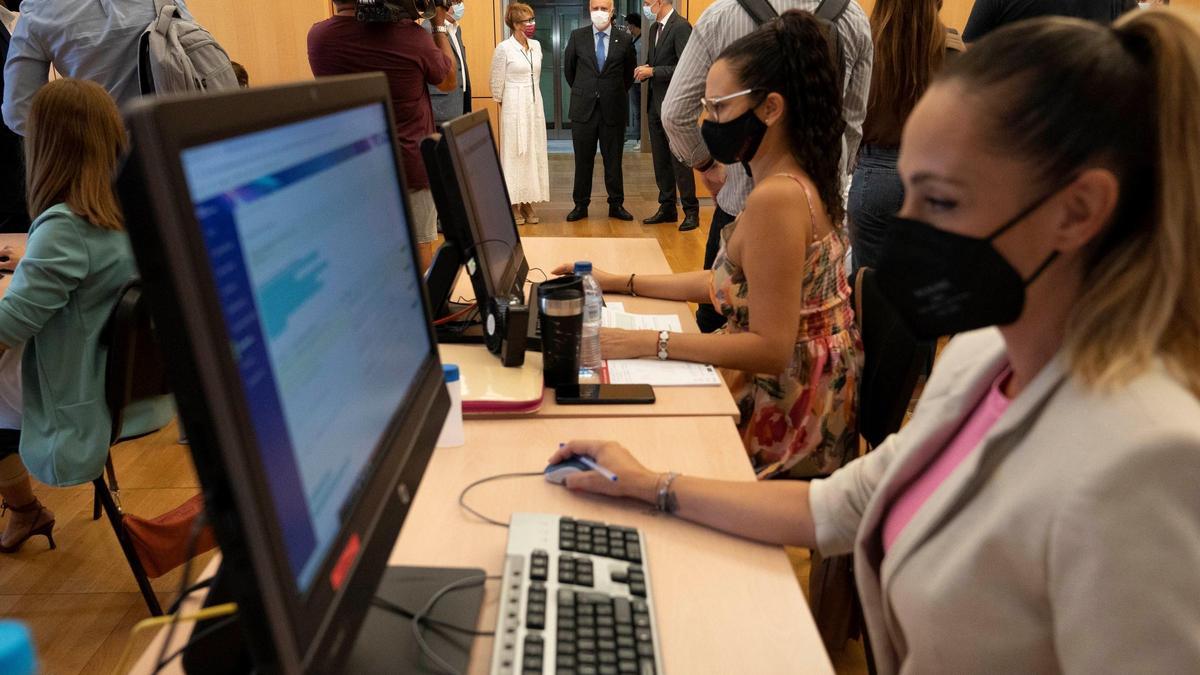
724, 605
640, 255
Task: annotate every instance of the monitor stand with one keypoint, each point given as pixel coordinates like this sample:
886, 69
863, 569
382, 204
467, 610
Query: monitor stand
385, 642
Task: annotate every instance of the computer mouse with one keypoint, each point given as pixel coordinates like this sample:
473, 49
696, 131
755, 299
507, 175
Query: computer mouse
557, 473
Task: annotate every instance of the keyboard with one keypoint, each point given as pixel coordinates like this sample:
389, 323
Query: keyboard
575, 599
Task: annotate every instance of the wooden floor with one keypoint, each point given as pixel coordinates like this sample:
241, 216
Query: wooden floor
80, 600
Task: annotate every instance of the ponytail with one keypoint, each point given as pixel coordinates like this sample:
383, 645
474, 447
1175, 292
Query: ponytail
1077, 94
793, 57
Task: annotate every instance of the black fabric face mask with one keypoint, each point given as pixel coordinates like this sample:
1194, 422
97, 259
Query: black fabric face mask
736, 140
943, 283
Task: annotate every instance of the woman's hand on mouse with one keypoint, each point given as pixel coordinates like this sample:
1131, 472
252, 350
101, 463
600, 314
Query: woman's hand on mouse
10, 256
633, 479
609, 283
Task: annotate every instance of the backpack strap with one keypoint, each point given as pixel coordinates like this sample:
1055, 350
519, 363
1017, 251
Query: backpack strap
760, 10
831, 10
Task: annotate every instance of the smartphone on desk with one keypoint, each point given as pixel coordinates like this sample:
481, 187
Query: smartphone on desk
604, 394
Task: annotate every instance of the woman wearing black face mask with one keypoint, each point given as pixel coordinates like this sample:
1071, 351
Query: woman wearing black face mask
1040, 511
790, 352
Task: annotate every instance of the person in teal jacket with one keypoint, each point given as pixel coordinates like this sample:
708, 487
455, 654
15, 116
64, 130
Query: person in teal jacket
63, 290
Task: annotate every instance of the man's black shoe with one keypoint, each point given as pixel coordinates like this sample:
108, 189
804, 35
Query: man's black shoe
690, 222
619, 213
662, 216
578, 213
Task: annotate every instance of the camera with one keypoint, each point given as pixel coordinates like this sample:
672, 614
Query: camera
392, 11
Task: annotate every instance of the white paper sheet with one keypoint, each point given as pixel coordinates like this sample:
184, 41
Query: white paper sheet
662, 373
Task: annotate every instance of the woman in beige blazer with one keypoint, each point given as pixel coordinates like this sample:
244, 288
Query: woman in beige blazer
1053, 190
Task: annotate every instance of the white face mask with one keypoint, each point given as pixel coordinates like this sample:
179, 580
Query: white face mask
1144, 5
601, 19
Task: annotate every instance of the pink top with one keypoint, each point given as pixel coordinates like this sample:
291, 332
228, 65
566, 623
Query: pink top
905, 508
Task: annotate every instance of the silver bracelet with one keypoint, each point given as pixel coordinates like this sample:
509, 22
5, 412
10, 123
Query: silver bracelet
666, 500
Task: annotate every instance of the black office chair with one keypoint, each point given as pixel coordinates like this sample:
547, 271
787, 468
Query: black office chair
894, 362
135, 371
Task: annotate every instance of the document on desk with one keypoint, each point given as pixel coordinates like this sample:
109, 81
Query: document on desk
615, 316
661, 373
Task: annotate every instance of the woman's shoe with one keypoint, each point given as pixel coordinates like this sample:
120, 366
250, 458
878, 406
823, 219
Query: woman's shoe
530, 216
518, 215
45, 528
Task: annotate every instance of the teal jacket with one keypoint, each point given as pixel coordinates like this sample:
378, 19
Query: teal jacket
58, 303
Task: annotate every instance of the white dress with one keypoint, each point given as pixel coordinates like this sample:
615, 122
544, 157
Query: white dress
516, 76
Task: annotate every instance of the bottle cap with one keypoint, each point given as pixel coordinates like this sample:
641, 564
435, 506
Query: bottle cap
583, 267
450, 372
16, 649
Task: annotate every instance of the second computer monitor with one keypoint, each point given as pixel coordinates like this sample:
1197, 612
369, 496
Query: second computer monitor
489, 211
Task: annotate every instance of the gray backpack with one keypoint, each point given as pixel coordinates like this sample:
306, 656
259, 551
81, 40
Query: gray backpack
827, 14
178, 55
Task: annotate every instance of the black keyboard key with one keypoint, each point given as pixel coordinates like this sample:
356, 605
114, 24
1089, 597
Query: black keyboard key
600, 550
643, 635
566, 577
608, 669
536, 608
532, 663
627, 667
607, 645
565, 635
565, 660
535, 621
605, 622
585, 633
642, 621
583, 546
634, 552
588, 658
566, 597
586, 645
625, 629
638, 588
606, 633
622, 611
604, 610
585, 621
607, 657
565, 648
619, 576
565, 671
539, 573
641, 607
646, 666
625, 641
618, 552
627, 655
567, 544
590, 670
585, 580
565, 622
645, 649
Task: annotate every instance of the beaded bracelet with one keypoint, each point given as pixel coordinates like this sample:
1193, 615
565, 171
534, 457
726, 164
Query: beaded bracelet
629, 286
666, 500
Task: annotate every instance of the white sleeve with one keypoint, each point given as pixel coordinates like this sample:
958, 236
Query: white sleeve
499, 65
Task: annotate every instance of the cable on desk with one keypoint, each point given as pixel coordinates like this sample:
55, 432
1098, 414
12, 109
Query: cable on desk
195, 638
420, 617
213, 612
462, 497
545, 277
455, 316
409, 614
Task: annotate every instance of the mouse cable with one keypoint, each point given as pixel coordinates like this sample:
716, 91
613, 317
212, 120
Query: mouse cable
462, 496
392, 607
421, 617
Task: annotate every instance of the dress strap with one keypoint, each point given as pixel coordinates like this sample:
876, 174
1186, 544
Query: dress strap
812, 216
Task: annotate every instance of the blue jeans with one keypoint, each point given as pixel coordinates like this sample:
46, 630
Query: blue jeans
876, 194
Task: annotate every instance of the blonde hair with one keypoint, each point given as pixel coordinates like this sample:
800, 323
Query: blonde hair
1069, 94
517, 11
71, 151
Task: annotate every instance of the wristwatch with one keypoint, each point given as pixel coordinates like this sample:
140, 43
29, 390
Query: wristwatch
663, 338
441, 29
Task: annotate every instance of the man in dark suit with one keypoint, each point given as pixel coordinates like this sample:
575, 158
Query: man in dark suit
668, 36
14, 216
599, 64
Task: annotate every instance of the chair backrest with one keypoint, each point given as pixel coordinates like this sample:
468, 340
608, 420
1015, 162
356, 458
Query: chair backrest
135, 368
895, 360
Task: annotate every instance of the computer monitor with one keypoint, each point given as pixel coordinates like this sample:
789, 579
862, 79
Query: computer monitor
480, 178
272, 231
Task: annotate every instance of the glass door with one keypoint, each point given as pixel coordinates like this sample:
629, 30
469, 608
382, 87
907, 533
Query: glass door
554, 26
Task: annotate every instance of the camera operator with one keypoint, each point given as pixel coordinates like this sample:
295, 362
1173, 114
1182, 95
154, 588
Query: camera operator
410, 58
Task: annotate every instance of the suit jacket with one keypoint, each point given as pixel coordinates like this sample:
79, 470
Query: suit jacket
592, 87
663, 52
1068, 541
450, 104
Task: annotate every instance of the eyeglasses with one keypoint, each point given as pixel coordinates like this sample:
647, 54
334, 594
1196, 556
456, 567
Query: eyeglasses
530, 21
712, 106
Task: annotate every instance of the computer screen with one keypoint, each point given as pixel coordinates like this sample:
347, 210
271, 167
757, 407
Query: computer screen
306, 236
487, 195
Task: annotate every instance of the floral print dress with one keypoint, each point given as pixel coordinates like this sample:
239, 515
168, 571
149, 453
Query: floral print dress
809, 409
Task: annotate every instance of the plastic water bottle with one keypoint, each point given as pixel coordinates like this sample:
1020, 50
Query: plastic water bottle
589, 343
453, 435
16, 650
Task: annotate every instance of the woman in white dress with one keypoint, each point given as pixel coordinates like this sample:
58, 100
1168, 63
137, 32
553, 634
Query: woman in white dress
516, 73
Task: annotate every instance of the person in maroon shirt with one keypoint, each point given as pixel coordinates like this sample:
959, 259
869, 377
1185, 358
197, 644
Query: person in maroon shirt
411, 58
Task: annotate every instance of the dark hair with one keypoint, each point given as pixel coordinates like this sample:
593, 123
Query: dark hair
910, 46
1068, 95
634, 19
793, 56
243, 77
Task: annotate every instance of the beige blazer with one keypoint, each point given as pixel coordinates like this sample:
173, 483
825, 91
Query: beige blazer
1068, 542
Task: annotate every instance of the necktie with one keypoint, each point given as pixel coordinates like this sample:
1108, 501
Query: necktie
600, 51
653, 46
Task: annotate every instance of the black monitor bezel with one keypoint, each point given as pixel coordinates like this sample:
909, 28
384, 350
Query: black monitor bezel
517, 268
286, 630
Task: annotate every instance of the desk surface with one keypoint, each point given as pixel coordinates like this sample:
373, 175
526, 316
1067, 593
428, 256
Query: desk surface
724, 605
639, 255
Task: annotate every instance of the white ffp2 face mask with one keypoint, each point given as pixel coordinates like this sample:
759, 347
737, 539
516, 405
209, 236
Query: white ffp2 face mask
601, 19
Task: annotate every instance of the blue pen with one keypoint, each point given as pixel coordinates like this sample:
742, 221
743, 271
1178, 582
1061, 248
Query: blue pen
596, 467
